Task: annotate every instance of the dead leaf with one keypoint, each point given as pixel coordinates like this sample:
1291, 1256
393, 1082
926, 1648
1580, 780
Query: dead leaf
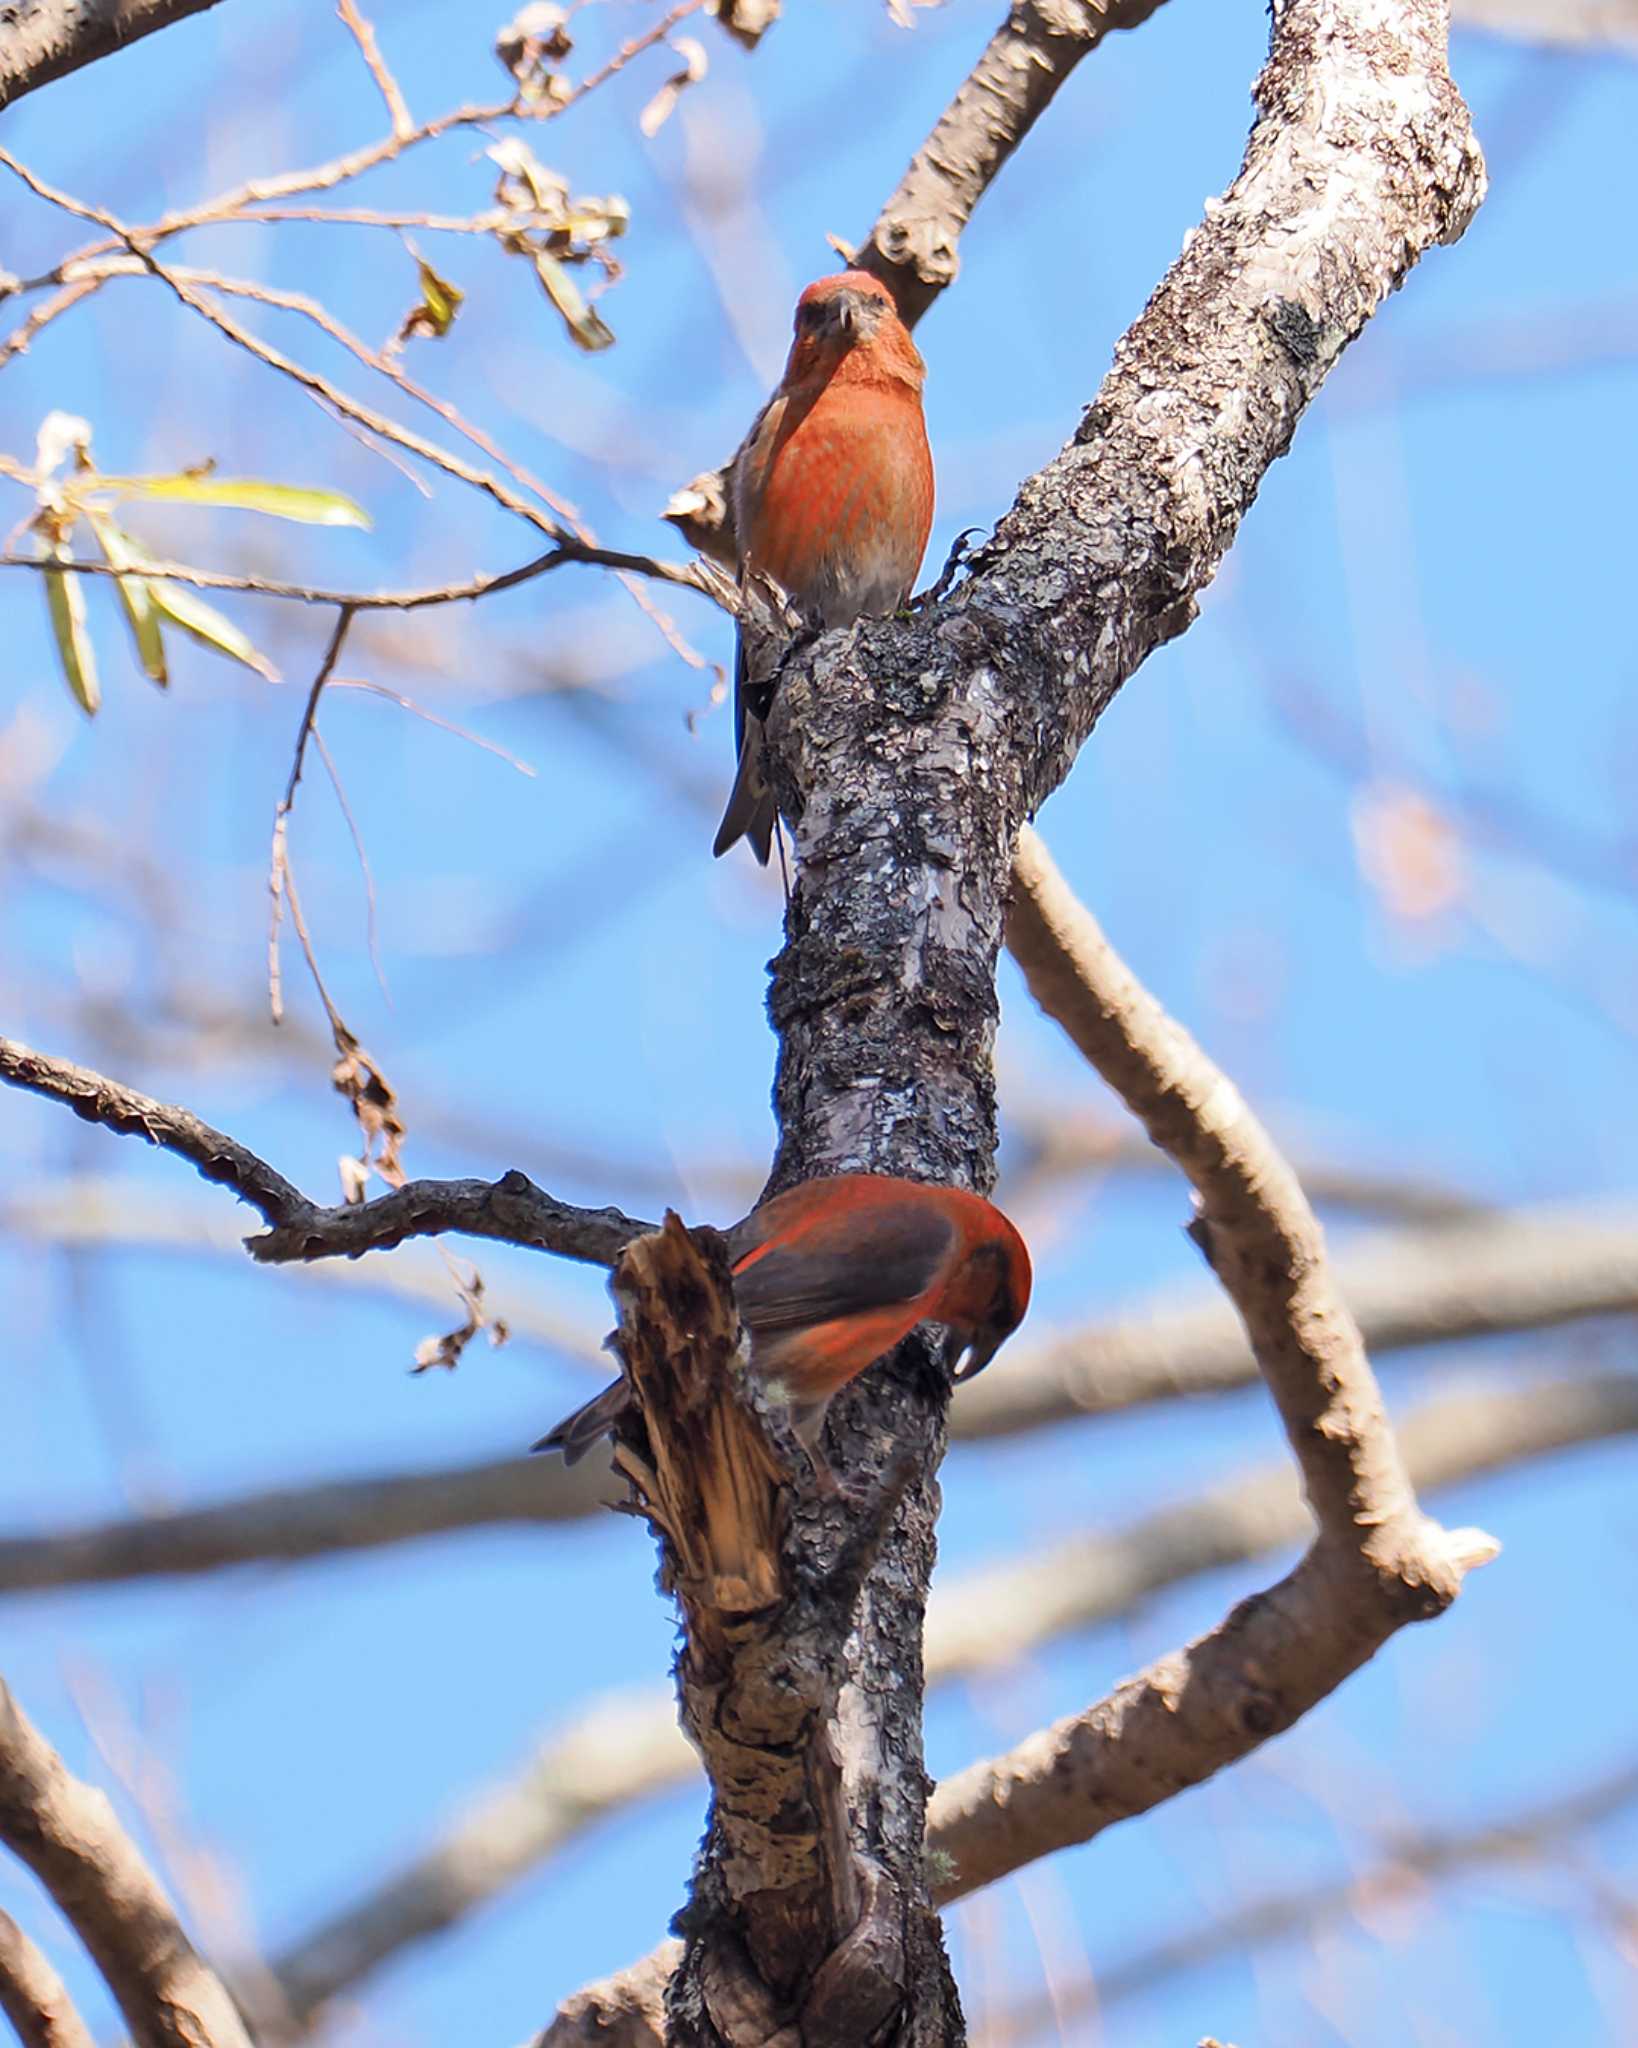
747, 21
446, 1351
658, 111
374, 1104
532, 45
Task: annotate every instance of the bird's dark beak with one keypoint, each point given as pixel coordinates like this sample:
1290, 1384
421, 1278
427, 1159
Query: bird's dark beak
847, 317
975, 1354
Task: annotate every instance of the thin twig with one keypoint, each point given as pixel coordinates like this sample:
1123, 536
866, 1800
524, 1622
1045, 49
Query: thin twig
280, 882
369, 49
686, 575
340, 170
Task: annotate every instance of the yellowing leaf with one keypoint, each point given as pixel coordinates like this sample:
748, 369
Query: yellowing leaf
65, 600
434, 313
207, 625
586, 326
243, 494
441, 299
135, 595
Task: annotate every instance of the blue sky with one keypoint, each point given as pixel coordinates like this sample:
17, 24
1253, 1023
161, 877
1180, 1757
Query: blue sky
1422, 619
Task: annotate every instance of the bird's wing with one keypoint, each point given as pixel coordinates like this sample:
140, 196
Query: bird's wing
842, 1265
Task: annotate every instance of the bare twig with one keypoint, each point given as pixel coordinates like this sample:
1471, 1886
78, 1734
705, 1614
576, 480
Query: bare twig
563, 526
287, 1524
991, 1616
310, 381
363, 33
280, 881
1055, 1142
512, 1208
67, 1834
687, 575
33, 1997
340, 170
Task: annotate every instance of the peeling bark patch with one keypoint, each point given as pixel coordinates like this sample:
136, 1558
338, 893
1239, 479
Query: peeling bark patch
1295, 330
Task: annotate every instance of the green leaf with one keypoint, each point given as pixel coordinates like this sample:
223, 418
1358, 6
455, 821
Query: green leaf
243, 494
582, 321
65, 600
207, 625
135, 595
440, 300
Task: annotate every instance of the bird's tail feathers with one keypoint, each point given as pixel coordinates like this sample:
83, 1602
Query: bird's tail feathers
751, 808
576, 1434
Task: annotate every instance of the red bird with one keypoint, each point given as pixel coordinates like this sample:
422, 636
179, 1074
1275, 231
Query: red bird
832, 1274
833, 495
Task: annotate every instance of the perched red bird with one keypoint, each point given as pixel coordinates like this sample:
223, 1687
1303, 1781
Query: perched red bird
832, 1274
833, 495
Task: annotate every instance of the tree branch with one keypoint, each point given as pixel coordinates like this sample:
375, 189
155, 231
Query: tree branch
67, 1834
98, 1100
1522, 1269
619, 1748
290, 1523
912, 247
46, 39
979, 1622
511, 1208
33, 1997
1376, 1562
686, 575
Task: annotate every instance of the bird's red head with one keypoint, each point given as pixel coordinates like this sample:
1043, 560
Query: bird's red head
988, 1295
848, 311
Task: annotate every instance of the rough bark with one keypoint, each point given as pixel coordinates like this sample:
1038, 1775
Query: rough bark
44, 39
793, 1930
909, 757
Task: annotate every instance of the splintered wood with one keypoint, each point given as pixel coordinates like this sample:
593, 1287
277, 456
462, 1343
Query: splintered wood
711, 1482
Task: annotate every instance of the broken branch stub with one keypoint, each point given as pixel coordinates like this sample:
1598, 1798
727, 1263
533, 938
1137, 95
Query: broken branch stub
786, 1921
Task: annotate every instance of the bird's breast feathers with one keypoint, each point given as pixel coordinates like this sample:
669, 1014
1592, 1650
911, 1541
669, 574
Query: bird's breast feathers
837, 502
